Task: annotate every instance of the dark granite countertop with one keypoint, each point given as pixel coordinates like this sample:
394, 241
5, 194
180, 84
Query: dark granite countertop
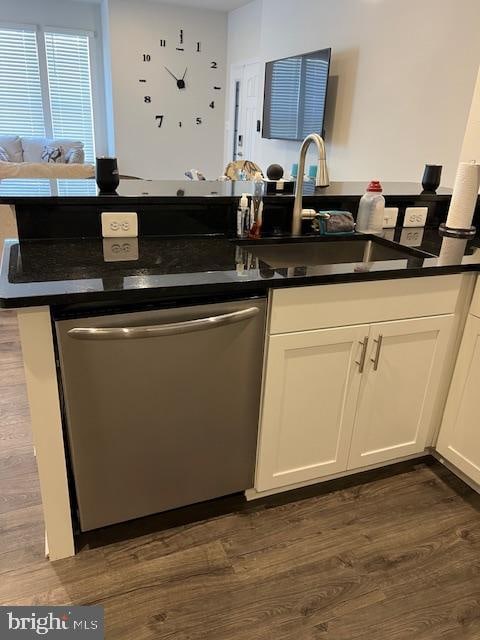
60, 272
21, 191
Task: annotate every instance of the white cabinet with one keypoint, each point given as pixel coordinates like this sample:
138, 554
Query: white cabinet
310, 393
399, 389
459, 438
323, 413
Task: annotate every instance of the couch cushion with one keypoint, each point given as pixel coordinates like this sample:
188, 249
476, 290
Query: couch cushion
33, 147
52, 153
13, 147
75, 156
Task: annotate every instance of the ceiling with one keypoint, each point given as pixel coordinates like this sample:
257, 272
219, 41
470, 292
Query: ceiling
219, 5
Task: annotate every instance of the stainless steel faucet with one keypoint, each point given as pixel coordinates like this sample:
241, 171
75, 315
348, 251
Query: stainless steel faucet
322, 179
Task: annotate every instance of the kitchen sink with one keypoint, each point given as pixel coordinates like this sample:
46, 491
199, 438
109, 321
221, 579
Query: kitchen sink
305, 252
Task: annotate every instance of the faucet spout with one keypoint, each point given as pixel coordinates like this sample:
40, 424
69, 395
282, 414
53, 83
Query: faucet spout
322, 179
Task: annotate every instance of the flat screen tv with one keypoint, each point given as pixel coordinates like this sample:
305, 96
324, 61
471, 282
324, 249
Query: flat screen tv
295, 96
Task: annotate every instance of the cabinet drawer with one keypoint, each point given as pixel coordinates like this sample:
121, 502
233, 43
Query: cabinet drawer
475, 308
336, 305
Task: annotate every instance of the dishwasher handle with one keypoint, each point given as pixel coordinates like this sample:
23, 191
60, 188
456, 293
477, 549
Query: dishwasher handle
154, 331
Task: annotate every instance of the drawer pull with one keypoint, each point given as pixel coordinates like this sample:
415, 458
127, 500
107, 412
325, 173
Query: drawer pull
376, 359
361, 362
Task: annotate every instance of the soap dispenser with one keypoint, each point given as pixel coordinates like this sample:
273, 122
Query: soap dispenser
371, 211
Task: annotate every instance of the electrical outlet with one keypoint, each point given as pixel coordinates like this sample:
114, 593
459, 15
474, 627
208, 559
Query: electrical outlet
415, 216
119, 224
390, 217
119, 250
412, 237
389, 234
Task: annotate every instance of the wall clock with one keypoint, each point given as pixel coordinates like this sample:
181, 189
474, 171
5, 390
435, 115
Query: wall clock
181, 82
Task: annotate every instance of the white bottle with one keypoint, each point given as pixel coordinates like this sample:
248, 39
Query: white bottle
243, 217
371, 211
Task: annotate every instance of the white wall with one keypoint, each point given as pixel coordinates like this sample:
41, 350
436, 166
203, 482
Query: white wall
244, 32
70, 15
402, 79
142, 148
471, 142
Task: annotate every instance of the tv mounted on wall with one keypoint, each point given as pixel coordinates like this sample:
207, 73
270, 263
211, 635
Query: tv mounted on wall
295, 96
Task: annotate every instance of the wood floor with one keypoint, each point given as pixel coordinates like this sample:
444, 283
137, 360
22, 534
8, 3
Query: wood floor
394, 558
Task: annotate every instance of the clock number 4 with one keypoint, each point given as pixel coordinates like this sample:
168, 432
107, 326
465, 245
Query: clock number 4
212, 104
147, 57
159, 119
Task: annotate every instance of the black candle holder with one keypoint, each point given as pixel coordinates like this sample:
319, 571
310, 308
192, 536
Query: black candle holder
431, 177
106, 175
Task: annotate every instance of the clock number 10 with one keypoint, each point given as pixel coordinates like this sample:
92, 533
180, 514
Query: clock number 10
147, 57
159, 120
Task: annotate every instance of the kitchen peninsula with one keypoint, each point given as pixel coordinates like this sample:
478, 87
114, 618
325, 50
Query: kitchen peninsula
358, 323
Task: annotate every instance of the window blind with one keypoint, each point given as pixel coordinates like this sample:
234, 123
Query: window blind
286, 79
315, 89
70, 88
21, 107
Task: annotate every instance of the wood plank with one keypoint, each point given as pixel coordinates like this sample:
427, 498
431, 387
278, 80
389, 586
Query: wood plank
387, 555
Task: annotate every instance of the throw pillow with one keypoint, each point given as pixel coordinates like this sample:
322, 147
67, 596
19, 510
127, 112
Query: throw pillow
4, 155
75, 155
53, 154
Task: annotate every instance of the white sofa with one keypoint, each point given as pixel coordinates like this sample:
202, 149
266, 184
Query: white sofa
40, 149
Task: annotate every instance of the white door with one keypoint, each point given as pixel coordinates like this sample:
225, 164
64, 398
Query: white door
459, 438
400, 389
249, 105
310, 393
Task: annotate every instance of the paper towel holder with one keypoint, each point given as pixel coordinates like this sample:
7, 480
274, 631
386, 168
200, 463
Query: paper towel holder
448, 232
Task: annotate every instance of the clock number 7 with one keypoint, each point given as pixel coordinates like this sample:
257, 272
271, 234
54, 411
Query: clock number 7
159, 119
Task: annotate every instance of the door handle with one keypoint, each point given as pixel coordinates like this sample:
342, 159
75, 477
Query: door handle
376, 359
363, 356
154, 331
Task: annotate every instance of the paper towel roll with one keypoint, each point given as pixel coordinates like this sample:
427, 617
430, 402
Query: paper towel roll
452, 251
464, 197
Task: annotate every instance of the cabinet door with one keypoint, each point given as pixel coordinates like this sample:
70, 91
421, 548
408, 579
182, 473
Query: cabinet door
310, 392
459, 438
399, 389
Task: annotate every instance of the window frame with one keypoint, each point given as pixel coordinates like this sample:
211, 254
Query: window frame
40, 31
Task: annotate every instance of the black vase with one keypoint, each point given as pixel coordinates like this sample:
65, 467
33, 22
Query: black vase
107, 175
431, 177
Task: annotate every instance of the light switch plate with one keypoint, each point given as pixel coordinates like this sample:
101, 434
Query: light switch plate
390, 217
415, 216
412, 237
119, 250
119, 224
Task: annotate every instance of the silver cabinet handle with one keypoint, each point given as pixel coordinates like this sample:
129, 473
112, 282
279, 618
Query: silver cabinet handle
200, 324
361, 362
376, 359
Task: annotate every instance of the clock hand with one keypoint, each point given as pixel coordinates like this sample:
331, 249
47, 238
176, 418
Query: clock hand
183, 77
174, 77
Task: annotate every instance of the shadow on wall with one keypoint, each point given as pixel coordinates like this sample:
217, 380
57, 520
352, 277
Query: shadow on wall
340, 96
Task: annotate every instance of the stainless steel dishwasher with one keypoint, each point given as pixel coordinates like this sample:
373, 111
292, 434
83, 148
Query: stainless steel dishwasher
161, 407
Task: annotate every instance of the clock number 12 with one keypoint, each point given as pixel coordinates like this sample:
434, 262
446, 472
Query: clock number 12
159, 119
